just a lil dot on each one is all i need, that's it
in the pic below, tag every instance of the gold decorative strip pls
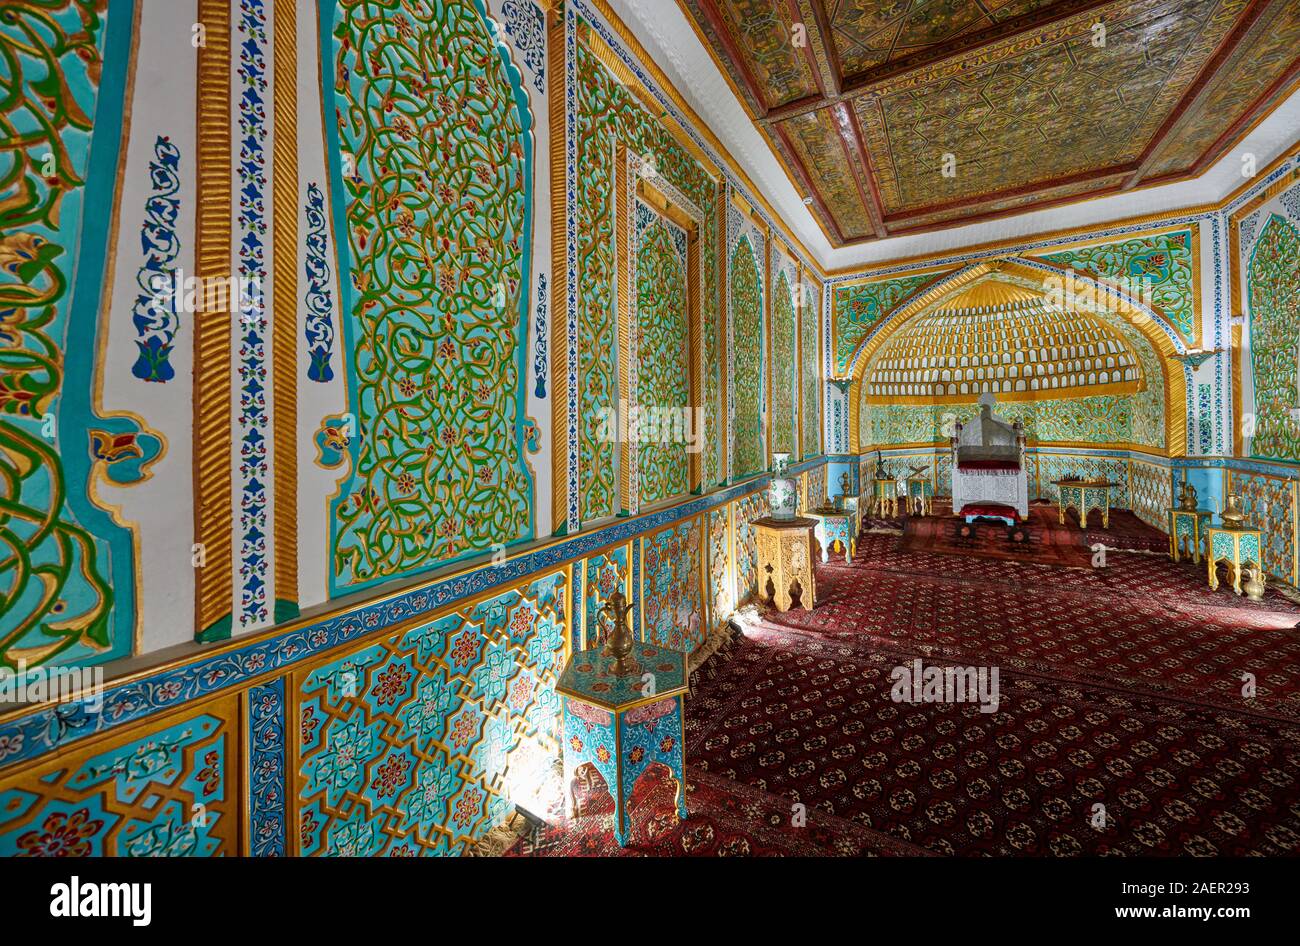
(284, 305)
(559, 366)
(694, 354)
(766, 356)
(652, 68)
(723, 350)
(622, 216)
(213, 510)
(799, 316)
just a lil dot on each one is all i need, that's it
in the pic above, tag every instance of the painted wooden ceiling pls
(1035, 103)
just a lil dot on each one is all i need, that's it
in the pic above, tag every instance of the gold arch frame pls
(1138, 317)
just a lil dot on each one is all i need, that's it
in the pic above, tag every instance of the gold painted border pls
(559, 328)
(623, 281)
(213, 508)
(702, 127)
(284, 304)
(1175, 382)
(93, 491)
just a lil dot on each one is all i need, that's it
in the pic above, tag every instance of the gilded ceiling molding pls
(213, 500)
(647, 62)
(1159, 336)
(284, 306)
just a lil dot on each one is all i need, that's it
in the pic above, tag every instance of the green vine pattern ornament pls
(55, 594)
(747, 333)
(436, 177)
(663, 369)
(1273, 281)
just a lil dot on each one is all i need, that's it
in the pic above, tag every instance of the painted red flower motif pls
(576, 743)
(462, 730)
(522, 623)
(467, 648)
(602, 754)
(391, 776)
(210, 774)
(390, 684)
(666, 745)
(62, 835)
(636, 755)
(467, 807)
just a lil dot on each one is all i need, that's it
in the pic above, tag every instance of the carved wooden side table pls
(785, 555)
(835, 526)
(1085, 496)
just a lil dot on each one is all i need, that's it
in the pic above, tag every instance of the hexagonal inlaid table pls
(624, 723)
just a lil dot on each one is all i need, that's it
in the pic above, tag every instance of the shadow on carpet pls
(1045, 541)
(727, 819)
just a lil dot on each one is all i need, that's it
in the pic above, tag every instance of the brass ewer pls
(846, 483)
(1187, 497)
(618, 642)
(1233, 516)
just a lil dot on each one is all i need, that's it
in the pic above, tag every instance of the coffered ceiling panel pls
(894, 117)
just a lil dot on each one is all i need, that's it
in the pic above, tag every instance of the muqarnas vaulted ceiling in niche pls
(1035, 102)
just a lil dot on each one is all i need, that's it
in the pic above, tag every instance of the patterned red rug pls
(1132, 687)
(727, 819)
(811, 718)
(1044, 540)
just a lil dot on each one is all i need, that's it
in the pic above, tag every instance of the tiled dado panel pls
(1055, 466)
(1150, 492)
(170, 788)
(416, 743)
(744, 511)
(601, 576)
(672, 595)
(1270, 504)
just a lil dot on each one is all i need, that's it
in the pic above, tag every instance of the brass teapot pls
(1233, 516)
(1187, 497)
(618, 642)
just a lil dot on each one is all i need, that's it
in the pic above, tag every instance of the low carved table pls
(1187, 532)
(835, 526)
(1085, 496)
(920, 493)
(624, 723)
(1237, 547)
(785, 551)
(884, 496)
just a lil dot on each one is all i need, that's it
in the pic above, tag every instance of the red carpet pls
(1119, 686)
(727, 820)
(1046, 541)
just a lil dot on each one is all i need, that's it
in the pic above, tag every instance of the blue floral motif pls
(526, 25)
(251, 231)
(266, 770)
(317, 325)
(154, 314)
(539, 351)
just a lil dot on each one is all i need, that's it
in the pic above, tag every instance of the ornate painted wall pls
(745, 297)
(69, 573)
(663, 360)
(608, 115)
(784, 334)
(1273, 295)
(436, 193)
(331, 386)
